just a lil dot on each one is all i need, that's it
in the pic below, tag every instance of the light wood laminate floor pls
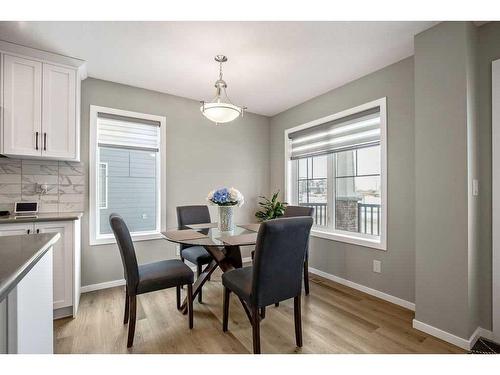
(335, 319)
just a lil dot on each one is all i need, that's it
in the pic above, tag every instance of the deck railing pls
(368, 216)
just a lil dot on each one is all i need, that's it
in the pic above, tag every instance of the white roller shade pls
(119, 131)
(355, 131)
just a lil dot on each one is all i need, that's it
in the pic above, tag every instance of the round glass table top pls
(210, 235)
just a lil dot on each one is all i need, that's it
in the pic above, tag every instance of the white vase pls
(226, 222)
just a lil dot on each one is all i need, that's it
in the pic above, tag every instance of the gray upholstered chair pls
(295, 211)
(149, 277)
(276, 274)
(187, 215)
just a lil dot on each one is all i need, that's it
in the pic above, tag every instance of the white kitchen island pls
(26, 300)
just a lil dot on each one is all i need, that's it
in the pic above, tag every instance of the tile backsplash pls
(65, 184)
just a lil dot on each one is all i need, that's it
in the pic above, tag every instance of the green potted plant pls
(270, 208)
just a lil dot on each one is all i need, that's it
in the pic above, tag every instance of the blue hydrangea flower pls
(221, 196)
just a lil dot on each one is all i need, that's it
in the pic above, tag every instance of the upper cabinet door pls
(59, 135)
(22, 100)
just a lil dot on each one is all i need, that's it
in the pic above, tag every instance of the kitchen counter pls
(19, 254)
(50, 216)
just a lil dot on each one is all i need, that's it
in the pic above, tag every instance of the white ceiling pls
(272, 65)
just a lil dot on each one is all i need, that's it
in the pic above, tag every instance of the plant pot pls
(226, 221)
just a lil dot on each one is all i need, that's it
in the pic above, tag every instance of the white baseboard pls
(466, 344)
(373, 292)
(105, 285)
(114, 283)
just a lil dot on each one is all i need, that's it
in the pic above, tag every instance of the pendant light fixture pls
(220, 109)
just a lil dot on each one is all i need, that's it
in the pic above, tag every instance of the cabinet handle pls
(38, 230)
(44, 141)
(28, 231)
(36, 141)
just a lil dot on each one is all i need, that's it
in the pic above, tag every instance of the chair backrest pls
(294, 211)
(127, 251)
(192, 215)
(279, 259)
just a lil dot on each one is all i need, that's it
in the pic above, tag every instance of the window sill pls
(135, 238)
(366, 242)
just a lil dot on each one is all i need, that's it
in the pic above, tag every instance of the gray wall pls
(444, 117)
(350, 261)
(200, 156)
(489, 50)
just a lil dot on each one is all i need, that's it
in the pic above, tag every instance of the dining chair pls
(276, 274)
(198, 255)
(295, 211)
(145, 278)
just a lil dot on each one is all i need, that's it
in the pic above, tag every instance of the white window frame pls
(161, 214)
(330, 233)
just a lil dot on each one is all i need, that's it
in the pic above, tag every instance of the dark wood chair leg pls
(198, 275)
(256, 330)
(277, 304)
(131, 323)
(125, 315)
(225, 312)
(298, 321)
(190, 304)
(262, 312)
(306, 277)
(178, 296)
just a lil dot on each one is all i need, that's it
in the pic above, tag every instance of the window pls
(337, 166)
(125, 164)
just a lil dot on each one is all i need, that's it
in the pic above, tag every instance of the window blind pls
(350, 132)
(127, 132)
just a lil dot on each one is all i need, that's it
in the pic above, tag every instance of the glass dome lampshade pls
(220, 110)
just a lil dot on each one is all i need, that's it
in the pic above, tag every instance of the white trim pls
(120, 282)
(105, 285)
(335, 235)
(160, 169)
(339, 236)
(110, 239)
(440, 334)
(495, 225)
(373, 292)
(465, 344)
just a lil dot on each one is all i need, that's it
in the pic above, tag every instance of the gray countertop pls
(52, 216)
(18, 255)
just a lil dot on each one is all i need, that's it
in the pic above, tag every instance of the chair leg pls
(131, 323)
(256, 330)
(198, 275)
(190, 304)
(277, 304)
(306, 276)
(262, 312)
(225, 313)
(125, 315)
(298, 321)
(178, 295)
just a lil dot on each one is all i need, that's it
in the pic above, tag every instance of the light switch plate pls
(377, 266)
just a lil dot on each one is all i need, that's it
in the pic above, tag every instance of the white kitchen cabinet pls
(59, 136)
(63, 261)
(66, 261)
(40, 100)
(22, 106)
(16, 229)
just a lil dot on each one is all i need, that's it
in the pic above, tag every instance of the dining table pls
(224, 247)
